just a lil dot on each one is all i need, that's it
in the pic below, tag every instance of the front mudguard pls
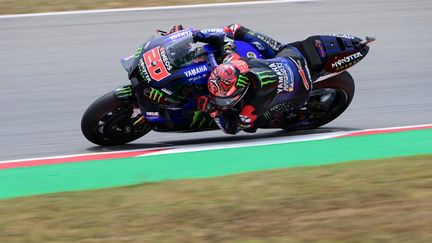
(124, 93)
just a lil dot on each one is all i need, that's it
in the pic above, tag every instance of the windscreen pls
(183, 51)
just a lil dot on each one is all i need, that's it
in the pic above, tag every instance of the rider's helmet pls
(226, 90)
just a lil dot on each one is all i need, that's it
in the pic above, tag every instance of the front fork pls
(125, 93)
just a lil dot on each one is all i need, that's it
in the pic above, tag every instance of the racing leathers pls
(279, 82)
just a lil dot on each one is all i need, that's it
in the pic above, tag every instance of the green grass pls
(35, 6)
(367, 201)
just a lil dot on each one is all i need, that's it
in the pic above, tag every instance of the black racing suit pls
(279, 82)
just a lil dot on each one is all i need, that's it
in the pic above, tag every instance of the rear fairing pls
(328, 55)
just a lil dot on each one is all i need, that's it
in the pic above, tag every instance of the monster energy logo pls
(242, 81)
(156, 95)
(138, 52)
(123, 92)
(266, 77)
(196, 117)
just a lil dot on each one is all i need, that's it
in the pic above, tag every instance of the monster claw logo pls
(198, 115)
(138, 52)
(266, 77)
(242, 81)
(123, 92)
(156, 95)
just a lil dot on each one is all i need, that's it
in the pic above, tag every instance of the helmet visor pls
(230, 101)
(225, 102)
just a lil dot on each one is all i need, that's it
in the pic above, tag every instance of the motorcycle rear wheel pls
(328, 100)
(109, 122)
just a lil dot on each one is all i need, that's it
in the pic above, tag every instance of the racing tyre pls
(109, 121)
(328, 100)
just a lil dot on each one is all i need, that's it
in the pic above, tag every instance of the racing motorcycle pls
(168, 74)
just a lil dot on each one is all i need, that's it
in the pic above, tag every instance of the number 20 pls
(155, 65)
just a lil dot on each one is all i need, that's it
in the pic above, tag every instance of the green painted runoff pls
(119, 172)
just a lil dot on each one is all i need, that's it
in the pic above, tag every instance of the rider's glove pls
(199, 37)
(205, 105)
(245, 122)
(176, 28)
(229, 48)
(247, 117)
(214, 39)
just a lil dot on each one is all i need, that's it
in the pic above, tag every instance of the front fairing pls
(131, 63)
(173, 67)
(159, 62)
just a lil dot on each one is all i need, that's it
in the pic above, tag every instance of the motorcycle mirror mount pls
(367, 40)
(161, 32)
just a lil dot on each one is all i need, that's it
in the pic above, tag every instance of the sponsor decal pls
(266, 77)
(167, 91)
(138, 52)
(198, 116)
(157, 63)
(270, 42)
(302, 72)
(251, 54)
(346, 60)
(258, 45)
(180, 34)
(156, 95)
(343, 36)
(308, 74)
(165, 59)
(195, 71)
(212, 59)
(242, 81)
(123, 92)
(285, 77)
(153, 114)
(213, 30)
(320, 48)
(143, 71)
(195, 78)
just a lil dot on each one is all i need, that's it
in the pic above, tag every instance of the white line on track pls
(192, 6)
(283, 140)
(262, 142)
(393, 128)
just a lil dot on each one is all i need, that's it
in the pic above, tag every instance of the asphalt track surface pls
(53, 67)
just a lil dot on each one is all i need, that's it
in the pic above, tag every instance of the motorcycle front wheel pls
(109, 121)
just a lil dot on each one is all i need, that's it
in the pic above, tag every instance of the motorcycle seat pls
(310, 52)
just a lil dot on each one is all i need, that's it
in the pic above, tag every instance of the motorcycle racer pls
(169, 75)
(244, 89)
